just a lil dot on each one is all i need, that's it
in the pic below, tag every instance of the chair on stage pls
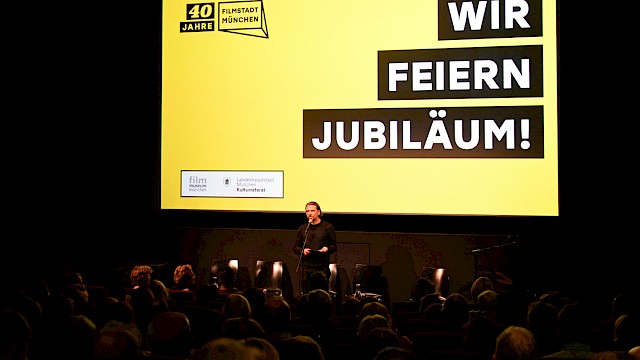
(338, 282)
(274, 278)
(439, 277)
(369, 278)
(371, 282)
(217, 265)
(205, 322)
(241, 280)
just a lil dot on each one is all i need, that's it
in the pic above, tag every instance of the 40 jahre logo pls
(240, 17)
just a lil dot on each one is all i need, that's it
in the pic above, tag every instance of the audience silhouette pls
(226, 282)
(480, 337)
(224, 348)
(257, 301)
(574, 332)
(479, 285)
(262, 348)
(394, 353)
(375, 340)
(421, 287)
(626, 332)
(117, 341)
(236, 305)
(169, 334)
(16, 335)
(73, 339)
(320, 319)
(277, 319)
(184, 278)
(455, 312)
(516, 343)
(542, 321)
(318, 280)
(67, 321)
(143, 296)
(242, 328)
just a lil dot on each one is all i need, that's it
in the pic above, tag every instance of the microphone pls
(308, 224)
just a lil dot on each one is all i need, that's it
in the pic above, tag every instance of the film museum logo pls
(240, 17)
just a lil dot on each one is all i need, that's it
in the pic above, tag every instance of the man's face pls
(312, 212)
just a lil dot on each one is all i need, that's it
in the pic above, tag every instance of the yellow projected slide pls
(413, 107)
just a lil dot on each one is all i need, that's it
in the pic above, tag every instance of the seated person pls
(184, 278)
(227, 282)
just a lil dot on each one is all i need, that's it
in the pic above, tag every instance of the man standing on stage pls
(315, 241)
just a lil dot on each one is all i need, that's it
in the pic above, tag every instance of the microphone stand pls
(299, 268)
(477, 252)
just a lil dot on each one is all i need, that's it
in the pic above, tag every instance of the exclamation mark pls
(524, 130)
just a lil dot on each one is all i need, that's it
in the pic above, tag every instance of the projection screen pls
(414, 107)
